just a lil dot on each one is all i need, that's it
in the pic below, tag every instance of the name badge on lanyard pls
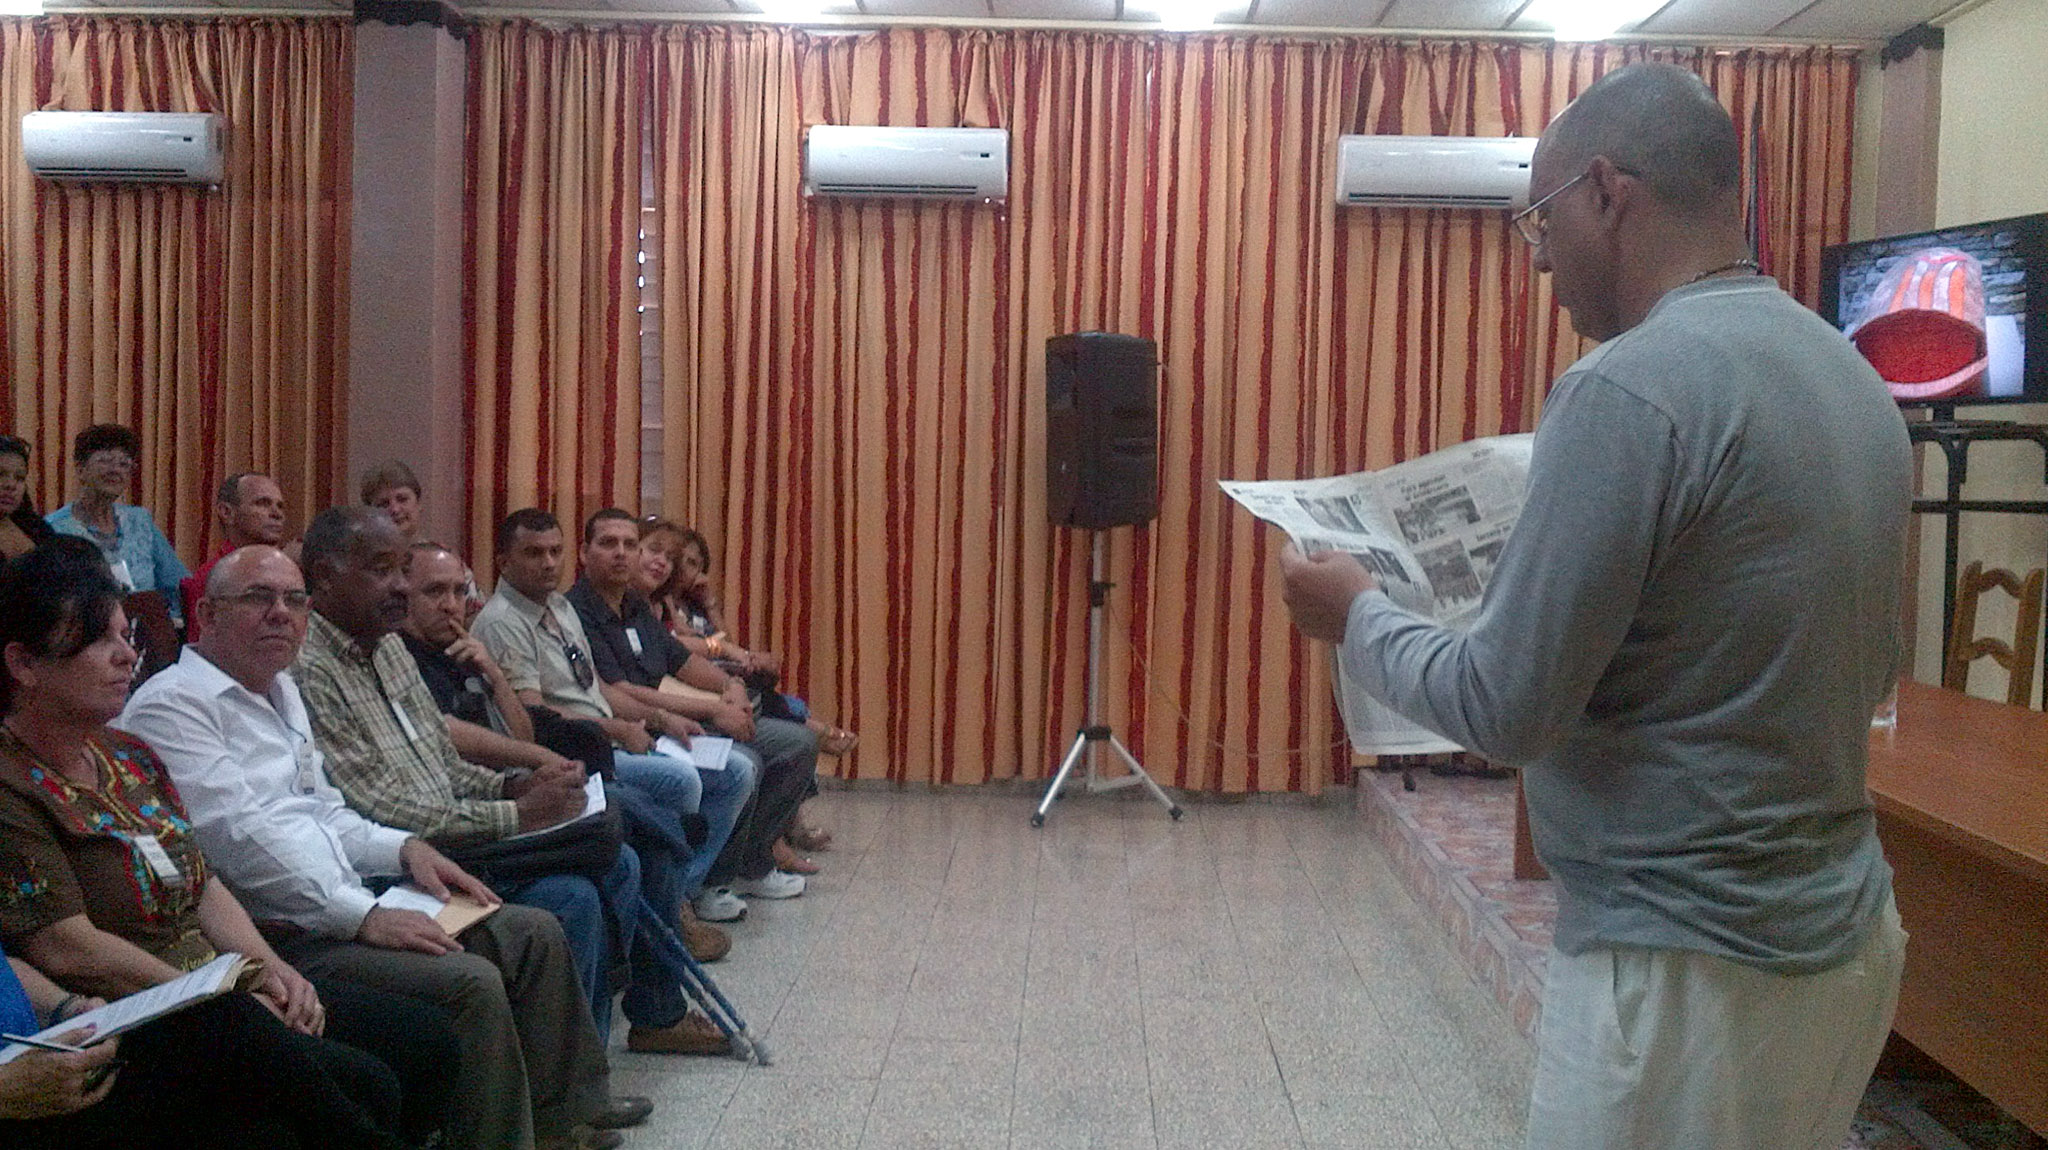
(633, 639)
(405, 721)
(159, 861)
(306, 758)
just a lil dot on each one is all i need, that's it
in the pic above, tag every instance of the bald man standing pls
(1681, 646)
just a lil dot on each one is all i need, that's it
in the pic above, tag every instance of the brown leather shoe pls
(695, 1034)
(809, 839)
(707, 943)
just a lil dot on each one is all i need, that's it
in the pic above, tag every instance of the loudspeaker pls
(1101, 430)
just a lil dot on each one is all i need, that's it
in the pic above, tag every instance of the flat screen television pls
(1950, 318)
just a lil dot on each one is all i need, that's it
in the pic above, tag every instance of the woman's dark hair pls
(691, 537)
(59, 598)
(25, 516)
(102, 437)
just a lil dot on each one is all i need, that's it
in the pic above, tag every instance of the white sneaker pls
(719, 904)
(774, 884)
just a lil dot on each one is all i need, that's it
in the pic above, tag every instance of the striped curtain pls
(551, 330)
(854, 391)
(213, 321)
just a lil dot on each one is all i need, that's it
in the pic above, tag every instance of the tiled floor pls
(1254, 976)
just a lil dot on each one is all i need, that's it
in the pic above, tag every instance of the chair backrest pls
(2017, 657)
(154, 635)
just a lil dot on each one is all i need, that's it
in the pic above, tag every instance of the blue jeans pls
(603, 925)
(717, 795)
(598, 925)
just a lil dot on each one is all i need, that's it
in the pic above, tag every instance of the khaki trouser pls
(530, 1058)
(1675, 1050)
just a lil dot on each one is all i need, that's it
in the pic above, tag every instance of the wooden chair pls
(2017, 658)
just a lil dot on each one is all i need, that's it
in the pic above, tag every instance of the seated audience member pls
(108, 891)
(250, 510)
(671, 558)
(633, 653)
(141, 559)
(20, 527)
(393, 488)
(389, 753)
(485, 716)
(698, 601)
(537, 637)
(213, 1075)
(228, 721)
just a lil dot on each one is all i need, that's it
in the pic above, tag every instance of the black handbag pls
(588, 846)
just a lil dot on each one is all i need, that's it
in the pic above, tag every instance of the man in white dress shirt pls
(229, 723)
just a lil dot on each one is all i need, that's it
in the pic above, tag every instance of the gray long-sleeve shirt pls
(1687, 633)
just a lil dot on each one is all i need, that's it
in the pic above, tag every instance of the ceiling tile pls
(1318, 13)
(1462, 15)
(1862, 19)
(1719, 17)
(693, 7)
(954, 9)
(1055, 9)
(1847, 20)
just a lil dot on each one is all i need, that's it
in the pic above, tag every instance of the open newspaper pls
(1430, 530)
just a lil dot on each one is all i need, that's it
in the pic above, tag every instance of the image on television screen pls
(1943, 315)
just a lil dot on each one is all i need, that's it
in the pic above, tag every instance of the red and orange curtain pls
(214, 321)
(852, 392)
(551, 326)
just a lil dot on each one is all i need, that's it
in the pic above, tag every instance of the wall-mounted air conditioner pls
(1433, 171)
(916, 163)
(132, 147)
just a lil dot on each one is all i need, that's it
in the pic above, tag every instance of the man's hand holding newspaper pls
(1319, 589)
(1428, 532)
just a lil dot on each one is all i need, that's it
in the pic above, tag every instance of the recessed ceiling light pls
(1589, 19)
(21, 7)
(1183, 15)
(792, 11)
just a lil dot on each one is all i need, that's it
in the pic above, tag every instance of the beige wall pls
(1993, 163)
(405, 361)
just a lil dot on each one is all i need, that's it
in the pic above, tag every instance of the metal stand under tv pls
(1955, 437)
(1095, 734)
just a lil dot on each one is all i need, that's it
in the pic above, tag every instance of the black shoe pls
(622, 1111)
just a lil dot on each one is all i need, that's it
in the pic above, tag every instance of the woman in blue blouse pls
(105, 456)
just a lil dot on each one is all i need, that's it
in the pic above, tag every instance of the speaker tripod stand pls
(1094, 733)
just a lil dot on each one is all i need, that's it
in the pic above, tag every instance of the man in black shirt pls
(633, 652)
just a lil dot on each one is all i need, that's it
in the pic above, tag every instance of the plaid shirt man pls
(385, 745)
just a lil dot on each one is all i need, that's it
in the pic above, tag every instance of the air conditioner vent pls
(1490, 172)
(970, 164)
(133, 147)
